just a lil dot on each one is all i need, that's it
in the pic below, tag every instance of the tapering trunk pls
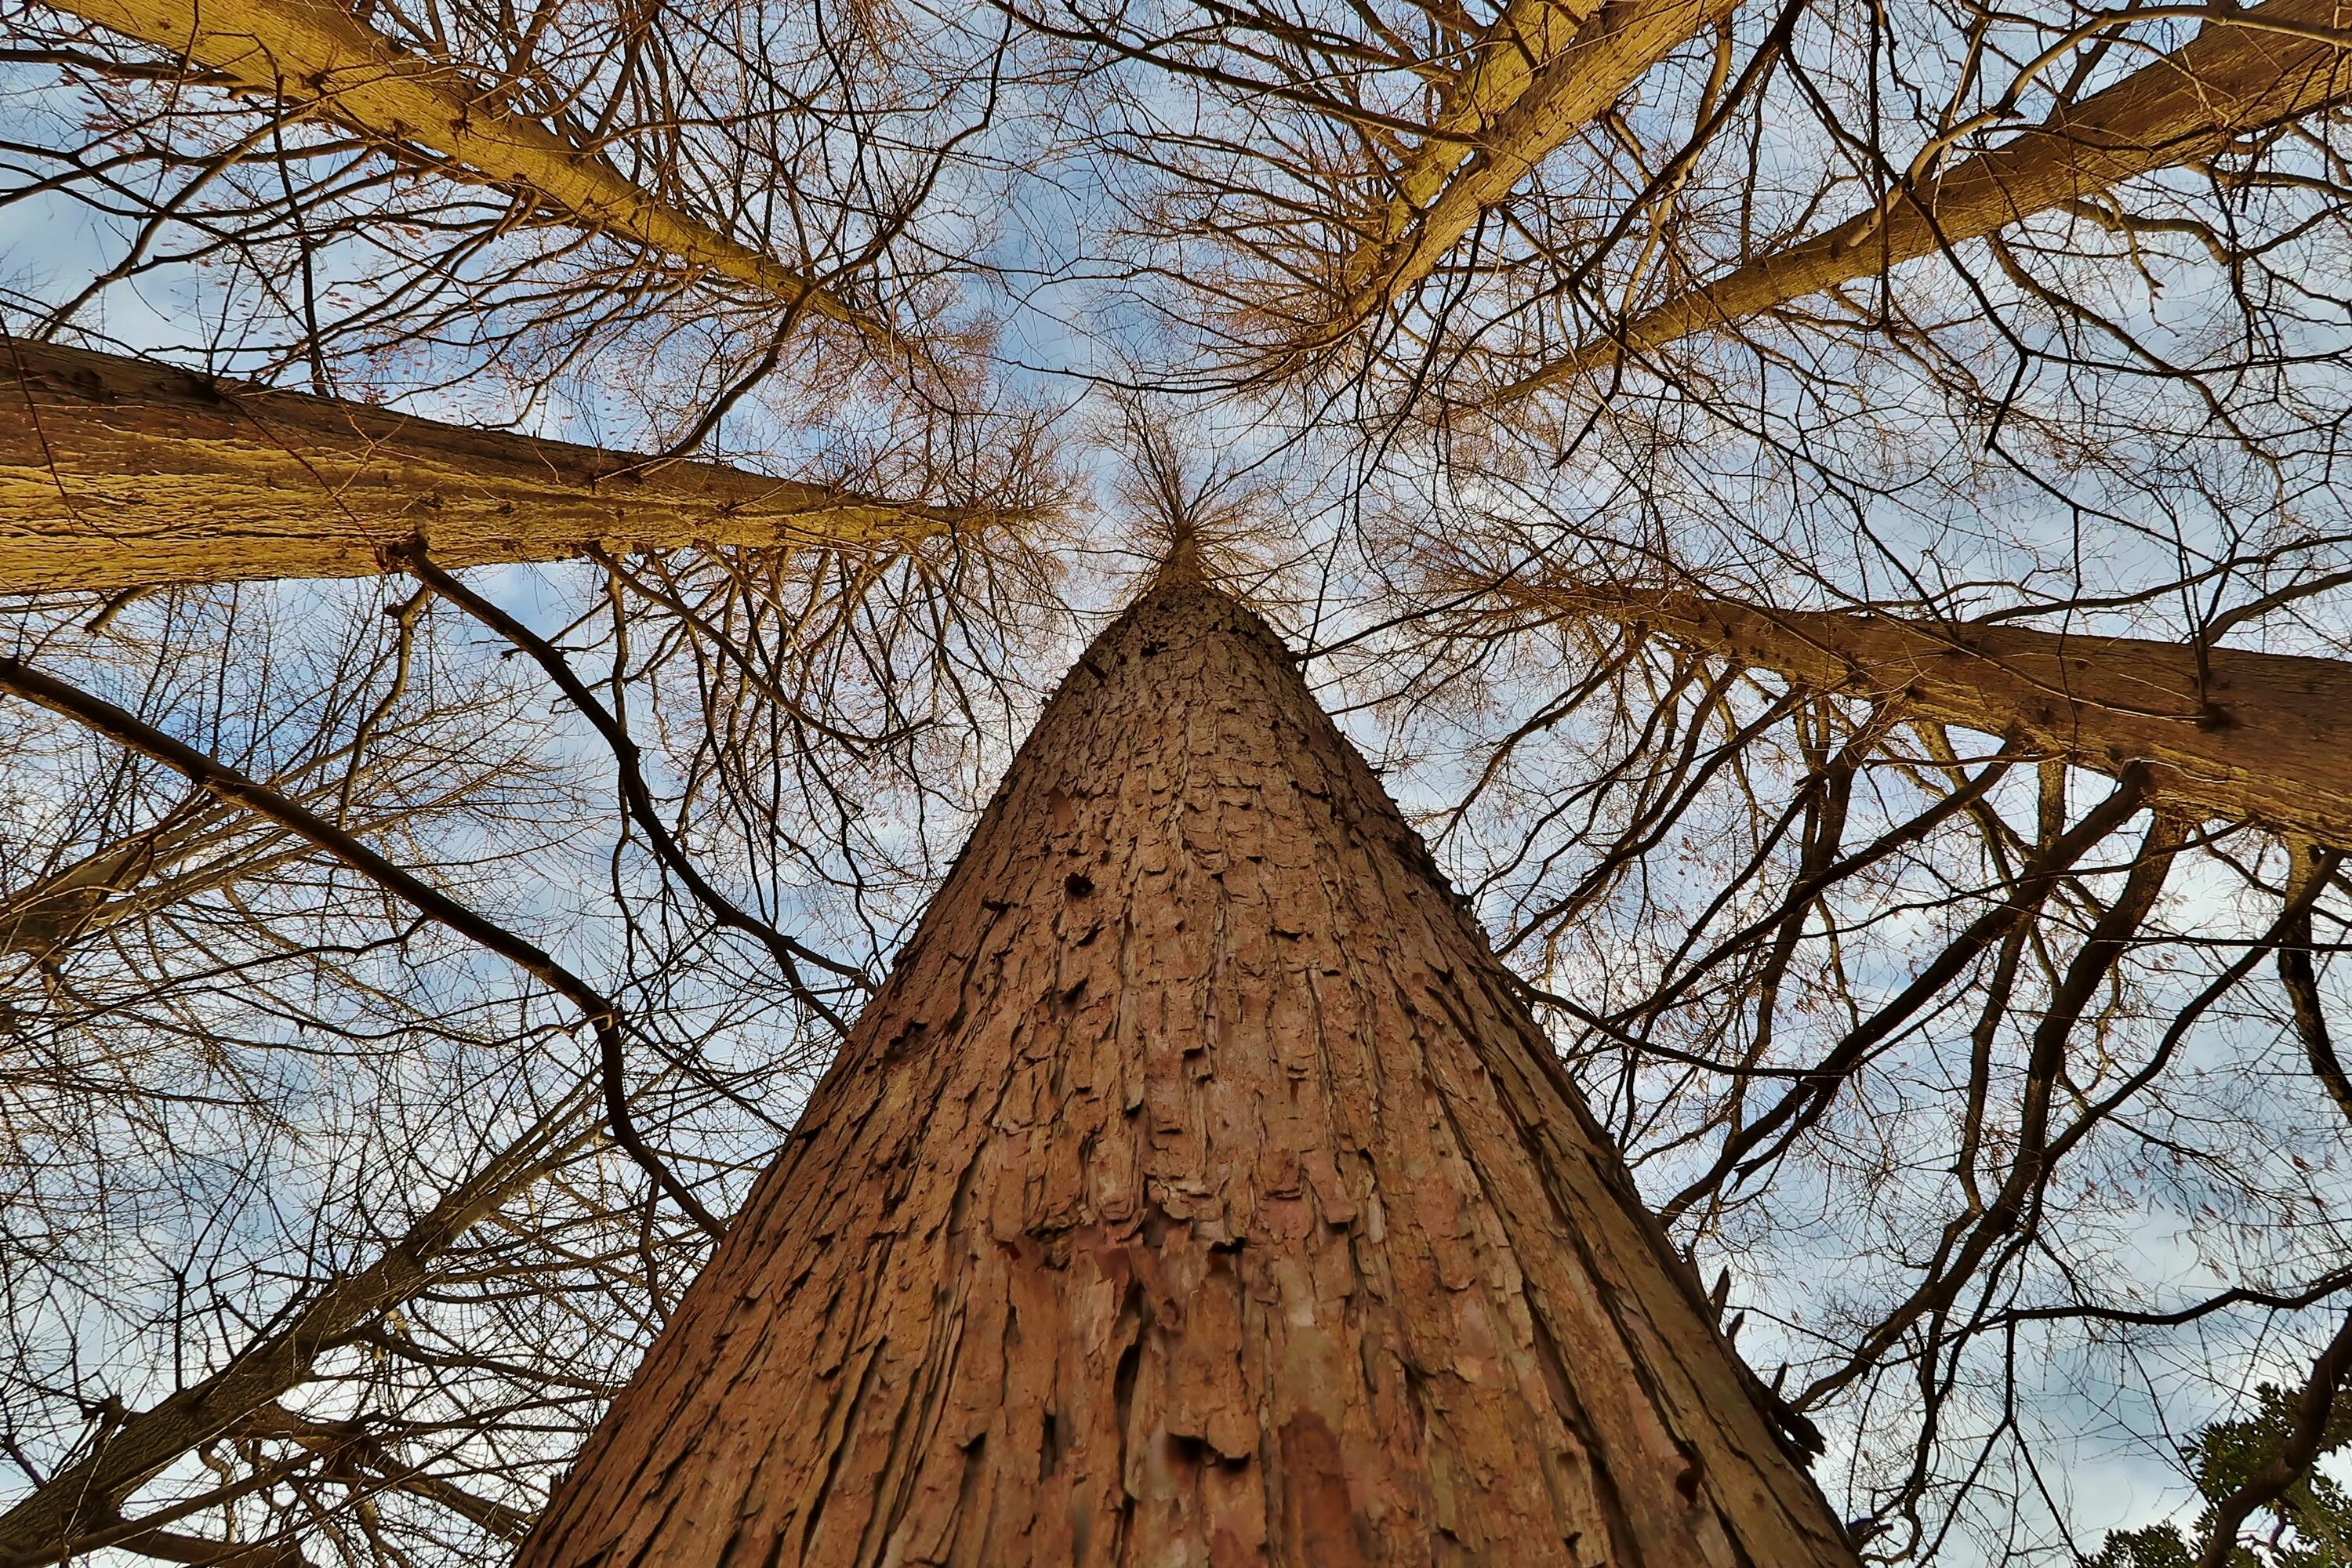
(2263, 738)
(315, 55)
(1197, 1191)
(2269, 64)
(118, 473)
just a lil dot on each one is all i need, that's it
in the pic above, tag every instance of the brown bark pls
(88, 1496)
(2263, 738)
(1196, 1192)
(1544, 72)
(117, 474)
(2270, 64)
(314, 53)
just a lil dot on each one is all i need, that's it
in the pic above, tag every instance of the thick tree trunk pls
(2263, 738)
(1197, 1191)
(2271, 63)
(315, 54)
(117, 473)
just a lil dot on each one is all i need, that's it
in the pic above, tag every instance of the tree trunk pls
(117, 474)
(1197, 1191)
(316, 54)
(2263, 738)
(2272, 63)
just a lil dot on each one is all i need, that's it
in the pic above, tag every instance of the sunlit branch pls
(2227, 733)
(315, 55)
(1544, 72)
(118, 474)
(2245, 72)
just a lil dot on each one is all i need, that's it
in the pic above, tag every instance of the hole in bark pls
(1122, 1388)
(1049, 1444)
(1079, 885)
(1687, 1484)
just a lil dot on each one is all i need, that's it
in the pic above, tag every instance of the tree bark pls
(1196, 1192)
(314, 53)
(2263, 738)
(2270, 64)
(117, 474)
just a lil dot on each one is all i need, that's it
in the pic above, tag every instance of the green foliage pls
(2309, 1525)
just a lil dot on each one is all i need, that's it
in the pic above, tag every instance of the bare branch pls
(226, 783)
(87, 1495)
(1544, 72)
(2246, 71)
(2252, 736)
(314, 53)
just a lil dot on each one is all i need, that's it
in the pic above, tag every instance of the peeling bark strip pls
(2262, 737)
(2253, 70)
(116, 473)
(313, 53)
(1196, 1192)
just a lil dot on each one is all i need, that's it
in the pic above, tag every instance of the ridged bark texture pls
(116, 473)
(1196, 1192)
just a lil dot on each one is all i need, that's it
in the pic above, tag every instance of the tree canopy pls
(528, 533)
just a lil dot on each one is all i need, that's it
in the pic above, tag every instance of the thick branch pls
(117, 474)
(2250, 737)
(1544, 72)
(2256, 69)
(2294, 1462)
(89, 1494)
(313, 53)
